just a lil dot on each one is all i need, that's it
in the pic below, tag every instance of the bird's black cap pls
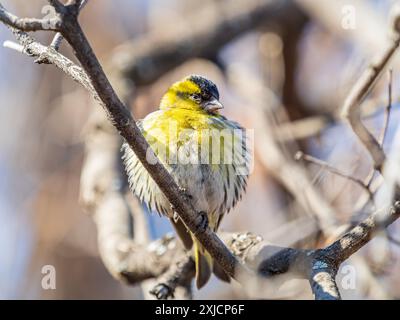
(205, 85)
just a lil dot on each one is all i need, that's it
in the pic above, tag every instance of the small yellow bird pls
(205, 153)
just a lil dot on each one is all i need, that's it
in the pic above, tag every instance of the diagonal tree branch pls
(126, 126)
(123, 121)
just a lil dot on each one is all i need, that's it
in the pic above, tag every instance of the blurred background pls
(294, 61)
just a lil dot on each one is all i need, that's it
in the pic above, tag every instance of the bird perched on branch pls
(205, 153)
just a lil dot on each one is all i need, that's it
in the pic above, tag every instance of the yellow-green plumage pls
(181, 133)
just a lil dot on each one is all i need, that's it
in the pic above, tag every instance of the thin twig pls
(13, 45)
(302, 156)
(382, 136)
(388, 108)
(58, 38)
(29, 24)
(363, 86)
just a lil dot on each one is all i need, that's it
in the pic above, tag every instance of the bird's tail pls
(203, 263)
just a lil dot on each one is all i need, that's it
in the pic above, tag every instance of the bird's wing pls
(140, 181)
(234, 170)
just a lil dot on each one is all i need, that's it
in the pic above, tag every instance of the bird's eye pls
(196, 97)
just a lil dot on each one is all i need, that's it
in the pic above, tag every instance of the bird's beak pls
(213, 106)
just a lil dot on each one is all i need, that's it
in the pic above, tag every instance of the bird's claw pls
(162, 292)
(186, 195)
(184, 192)
(201, 222)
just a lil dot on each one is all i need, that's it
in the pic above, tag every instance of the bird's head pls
(195, 93)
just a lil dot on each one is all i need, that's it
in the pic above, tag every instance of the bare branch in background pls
(180, 272)
(351, 107)
(104, 199)
(318, 266)
(388, 108)
(301, 156)
(302, 129)
(277, 159)
(381, 140)
(145, 60)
